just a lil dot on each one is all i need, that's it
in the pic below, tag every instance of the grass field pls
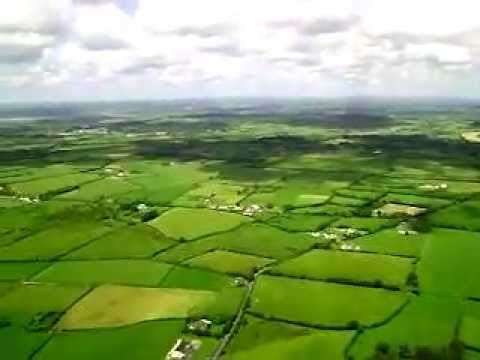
(364, 223)
(145, 341)
(20, 271)
(390, 242)
(52, 184)
(462, 216)
(201, 222)
(212, 193)
(54, 241)
(345, 266)
(325, 304)
(265, 339)
(136, 241)
(229, 262)
(102, 189)
(449, 264)
(264, 241)
(18, 343)
(114, 306)
(127, 272)
(470, 325)
(414, 200)
(183, 277)
(301, 222)
(425, 321)
(18, 307)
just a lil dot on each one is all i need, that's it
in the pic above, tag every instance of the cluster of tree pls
(453, 351)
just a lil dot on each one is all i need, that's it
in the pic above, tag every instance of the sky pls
(97, 50)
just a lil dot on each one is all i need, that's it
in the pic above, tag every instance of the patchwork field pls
(240, 230)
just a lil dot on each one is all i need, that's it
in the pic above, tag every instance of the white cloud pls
(314, 44)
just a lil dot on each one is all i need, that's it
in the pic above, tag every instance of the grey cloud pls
(318, 26)
(144, 65)
(103, 42)
(204, 31)
(13, 54)
(91, 2)
(230, 49)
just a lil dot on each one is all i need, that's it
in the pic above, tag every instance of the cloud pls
(204, 31)
(318, 26)
(288, 44)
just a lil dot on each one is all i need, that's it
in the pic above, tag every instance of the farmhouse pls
(405, 228)
(252, 210)
(183, 349)
(392, 209)
(432, 187)
(202, 325)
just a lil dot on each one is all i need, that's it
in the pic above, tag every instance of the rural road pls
(238, 318)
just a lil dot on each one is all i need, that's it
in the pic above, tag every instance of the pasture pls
(201, 222)
(323, 304)
(342, 266)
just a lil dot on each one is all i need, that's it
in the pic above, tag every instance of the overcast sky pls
(153, 49)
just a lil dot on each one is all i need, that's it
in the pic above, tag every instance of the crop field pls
(281, 231)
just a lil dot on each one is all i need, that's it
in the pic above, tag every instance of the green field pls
(128, 272)
(344, 266)
(54, 241)
(449, 264)
(116, 306)
(20, 271)
(425, 321)
(201, 222)
(189, 278)
(301, 222)
(268, 339)
(245, 225)
(143, 341)
(390, 242)
(23, 302)
(52, 184)
(136, 241)
(229, 262)
(462, 216)
(470, 325)
(325, 304)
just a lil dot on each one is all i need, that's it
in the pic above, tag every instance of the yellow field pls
(115, 305)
